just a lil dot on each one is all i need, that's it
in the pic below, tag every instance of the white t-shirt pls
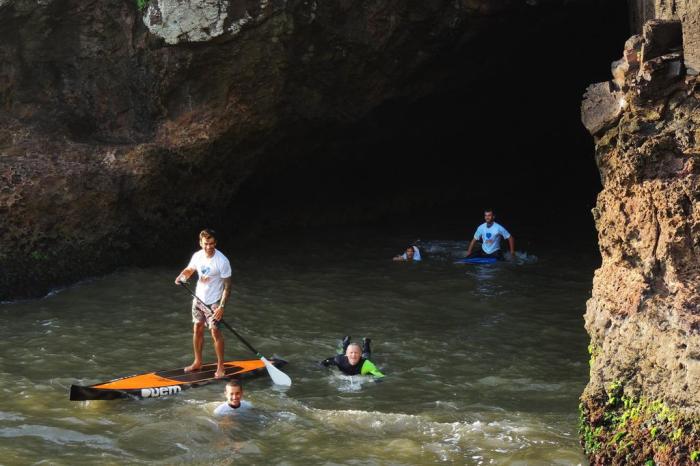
(490, 236)
(212, 271)
(224, 409)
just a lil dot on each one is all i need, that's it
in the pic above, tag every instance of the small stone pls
(601, 107)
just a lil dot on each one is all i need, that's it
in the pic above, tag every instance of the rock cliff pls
(642, 404)
(127, 125)
(124, 130)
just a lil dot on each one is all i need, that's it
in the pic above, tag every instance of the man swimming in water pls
(412, 254)
(490, 234)
(355, 359)
(234, 400)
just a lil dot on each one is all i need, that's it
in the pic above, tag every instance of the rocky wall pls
(642, 403)
(125, 129)
(122, 130)
(685, 11)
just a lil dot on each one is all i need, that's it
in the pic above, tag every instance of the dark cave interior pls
(504, 131)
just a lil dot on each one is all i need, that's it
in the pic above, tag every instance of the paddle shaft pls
(243, 340)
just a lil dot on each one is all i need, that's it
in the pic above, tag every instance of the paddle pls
(278, 377)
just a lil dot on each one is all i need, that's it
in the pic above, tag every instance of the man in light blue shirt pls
(490, 234)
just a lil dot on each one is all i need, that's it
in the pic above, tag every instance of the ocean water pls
(484, 363)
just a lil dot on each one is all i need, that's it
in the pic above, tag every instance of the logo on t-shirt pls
(488, 235)
(204, 274)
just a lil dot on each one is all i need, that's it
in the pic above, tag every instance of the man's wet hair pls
(355, 344)
(207, 233)
(235, 383)
(490, 210)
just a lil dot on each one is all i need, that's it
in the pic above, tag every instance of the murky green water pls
(484, 364)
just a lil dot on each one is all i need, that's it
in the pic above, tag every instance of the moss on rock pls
(619, 429)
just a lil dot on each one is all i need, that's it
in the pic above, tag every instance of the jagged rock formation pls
(643, 399)
(684, 11)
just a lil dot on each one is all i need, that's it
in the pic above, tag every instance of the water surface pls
(484, 363)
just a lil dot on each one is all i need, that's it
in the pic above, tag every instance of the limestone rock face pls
(119, 126)
(186, 21)
(688, 12)
(644, 314)
(203, 20)
(685, 11)
(601, 108)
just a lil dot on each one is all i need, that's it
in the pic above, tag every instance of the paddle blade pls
(278, 377)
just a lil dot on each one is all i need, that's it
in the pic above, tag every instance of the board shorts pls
(200, 314)
(497, 254)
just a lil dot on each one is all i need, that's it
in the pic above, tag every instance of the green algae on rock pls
(622, 429)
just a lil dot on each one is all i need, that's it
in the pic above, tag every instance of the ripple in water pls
(484, 364)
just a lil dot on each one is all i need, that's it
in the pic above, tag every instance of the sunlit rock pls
(644, 313)
(601, 107)
(177, 21)
(189, 21)
(661, 37)
(625, 69)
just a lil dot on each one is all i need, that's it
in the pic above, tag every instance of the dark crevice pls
(503, 129)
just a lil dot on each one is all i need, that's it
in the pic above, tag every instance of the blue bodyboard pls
(477, 260)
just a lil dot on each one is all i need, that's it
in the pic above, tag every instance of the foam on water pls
(483, 365)
(448, 441)
(450, 250)
(58, 436)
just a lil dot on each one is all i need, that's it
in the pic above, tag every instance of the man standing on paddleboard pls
(213, 288)
(490, 234)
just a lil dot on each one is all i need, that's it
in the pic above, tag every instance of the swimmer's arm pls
(329, 362)
(471, 246)
(185, 275)
(369, 368)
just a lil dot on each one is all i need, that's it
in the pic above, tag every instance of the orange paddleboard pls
(169, 382)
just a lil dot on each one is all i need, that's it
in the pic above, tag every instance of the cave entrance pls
(502, 130)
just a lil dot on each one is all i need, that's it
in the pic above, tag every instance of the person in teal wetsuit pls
(355, 359)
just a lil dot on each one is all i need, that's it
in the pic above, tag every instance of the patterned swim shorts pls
(200, 314)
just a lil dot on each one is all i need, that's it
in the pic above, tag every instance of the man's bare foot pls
(220, 372)
(195, 366)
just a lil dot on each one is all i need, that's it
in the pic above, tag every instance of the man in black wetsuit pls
(355, 360)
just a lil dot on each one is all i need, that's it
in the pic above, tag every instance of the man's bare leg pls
(219, 348)
(197, 345)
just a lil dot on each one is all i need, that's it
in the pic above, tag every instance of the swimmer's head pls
(234, 393)
(410, 252)
(354, 353)
(489, 216)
